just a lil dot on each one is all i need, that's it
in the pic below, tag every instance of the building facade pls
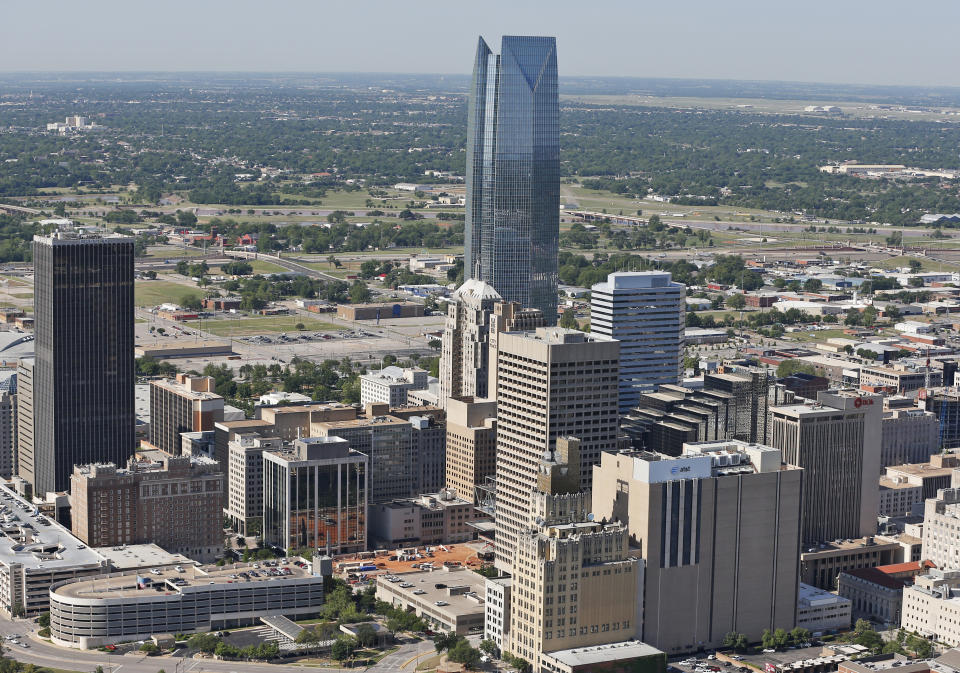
(464, 359)
(645, 312)
(8, 434)
(718, 530)
(185, 404)
(194, 599)
(578, 585)
(432, 518)
(512, 224)
(390, 385)
(176, 503)
(552, 383)
(909, 436)
(837, 443)
(931, 607)
(244, 506)
(316, 496)
(83, 374)
(471, 445)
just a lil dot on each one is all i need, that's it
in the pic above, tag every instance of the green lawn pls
(280, 323)
(154, 292)
(819, 336)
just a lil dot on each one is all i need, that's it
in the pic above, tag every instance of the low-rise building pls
(449, 600)
(898, 497)
(184, 599)
(380, 311)
(629, 655)
(931, 607)
(819, 610)
(36, 552)
(877, 593)
(820, 565)
(391, 384)
(497, 620)
(432, 518)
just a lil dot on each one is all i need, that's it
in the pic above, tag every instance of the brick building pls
(175, 503)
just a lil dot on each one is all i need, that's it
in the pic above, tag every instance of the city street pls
(42, 653)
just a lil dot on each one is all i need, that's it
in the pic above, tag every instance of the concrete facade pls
(837, 442)
(645, 312)
(719, 532)
(552, 383)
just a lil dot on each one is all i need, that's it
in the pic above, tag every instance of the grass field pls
(244, 326)
(154, 292)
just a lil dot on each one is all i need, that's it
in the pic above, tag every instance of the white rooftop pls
(598, 654)
(129, 557)
(477, 290)
(37, 542)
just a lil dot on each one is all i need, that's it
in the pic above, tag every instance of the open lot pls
(246, 326)
(154, 292)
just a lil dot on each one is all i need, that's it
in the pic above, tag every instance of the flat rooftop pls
(921, 470)
(132, 556)
(191, 576)
(598, 654)
(462, 591)
(36, 541)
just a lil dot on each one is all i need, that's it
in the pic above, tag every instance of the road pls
(43, 653)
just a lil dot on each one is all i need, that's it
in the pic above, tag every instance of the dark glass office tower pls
(83, 373)
(513, 172)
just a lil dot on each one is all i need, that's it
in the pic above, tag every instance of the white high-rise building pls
(644, 311)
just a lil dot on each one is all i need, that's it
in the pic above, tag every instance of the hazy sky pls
(856, 41)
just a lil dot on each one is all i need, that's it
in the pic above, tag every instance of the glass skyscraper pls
(513, 172)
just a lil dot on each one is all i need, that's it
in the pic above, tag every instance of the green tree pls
(736, 301)
(342, 648)
(359, 293)
(813, 285)
(307, 636)
(864, 634)
(735, 641)
(444, 641)
(488, 647)
(799, 635)
(205, 642)
(149, 648)
(794, 366)
(463, 653)
(44, 619)
(366, 635)
(569, 319)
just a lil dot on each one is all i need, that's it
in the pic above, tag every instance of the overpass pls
(286, 263)
(15, 210)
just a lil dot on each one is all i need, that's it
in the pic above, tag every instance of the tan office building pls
(576, 583)
(175, 503)
(552, 383)
(471, 445)
(718, 529)
(837, 441)
(244, 506)
(186, 404)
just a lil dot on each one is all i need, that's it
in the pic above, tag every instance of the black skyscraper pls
(83, 373)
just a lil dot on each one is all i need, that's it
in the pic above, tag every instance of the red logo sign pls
(862, 401)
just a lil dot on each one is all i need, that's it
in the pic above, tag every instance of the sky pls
(845, 41)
